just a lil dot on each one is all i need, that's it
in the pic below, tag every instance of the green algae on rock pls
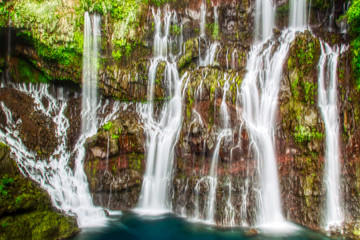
(26, 211)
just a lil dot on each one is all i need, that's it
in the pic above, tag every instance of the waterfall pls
(90, 72)
(298, 11)
(210, 55)
(163, 127)
(210, 52)
(230, 212)
(344, 26)
(68, 188)
(264, 19)
(224, 132)
(259, 93)
(332, 17)
(216, 16)
(327, 91)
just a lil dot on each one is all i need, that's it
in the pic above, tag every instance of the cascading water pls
(229, 219)
(209, 56)
(212, 178)
(344, 26)
(264, 19)
(259, 93)
(90, 72)
(298, 12)
(327, 91)
(68, 188)
(332, 17)
(162, 129)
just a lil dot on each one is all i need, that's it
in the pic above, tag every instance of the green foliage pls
(283, 10)
(26, 72)
(135, 161)
(353, 16)
(124, 48)
(175, 30)
(4, 182)
(321, 4)
(3, 14)
(216, 31)
(54, 30)
(115, 136)
(310, 90)
(304, 134)
(158, 3)
(4, 224)
(305, 56)
(107, 126)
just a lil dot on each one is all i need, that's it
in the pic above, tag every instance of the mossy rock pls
(24, 71)
(25, 209)
(37, 225)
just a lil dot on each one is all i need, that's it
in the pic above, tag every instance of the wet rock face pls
(128, 80)
(36, 129)
(114, 163)
(25, 209)
(299, 136)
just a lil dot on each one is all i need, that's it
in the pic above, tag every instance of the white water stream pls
(90, 72)
(328, 104)
(162, 126)
(264, 19)
(259, 94)
(67, 187)
(224, 132)
(298, 12)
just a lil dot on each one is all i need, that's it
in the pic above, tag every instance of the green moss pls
(53, 29)
(159, 3)
(3, 146)
(308, 188)
(191, 50)
(25, 209)
(37, 225)
(115, 136)
(353, 16)
(321, 4)
(26, 72)
(305, 134)
(108, 126)
(135, 160)
(4, 182)
(282, 11)
(309, 91)
(4, 13)
(175, 30)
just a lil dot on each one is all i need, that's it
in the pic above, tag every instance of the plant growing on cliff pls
(304, 134)
(4, 182)
(354, 21)
(107, 126)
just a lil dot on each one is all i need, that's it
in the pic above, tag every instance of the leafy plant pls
(353, 16)
(4, 182)
(304, 134)
(108, 126)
